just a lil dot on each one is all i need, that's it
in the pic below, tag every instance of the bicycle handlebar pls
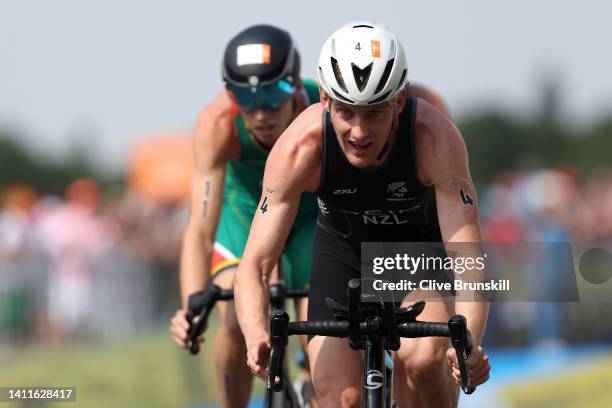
(281, 328)
(200, 304)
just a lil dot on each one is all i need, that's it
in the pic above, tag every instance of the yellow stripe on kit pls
(224, 265)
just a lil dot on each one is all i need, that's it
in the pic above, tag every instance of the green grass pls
(147, 371)
(150, 371)
(587, 387)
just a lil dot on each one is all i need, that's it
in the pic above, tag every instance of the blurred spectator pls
(73, 237)
(16, 201)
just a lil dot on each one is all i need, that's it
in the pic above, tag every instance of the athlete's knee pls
(231, 329)
(350, 397)
(333, 390)
(228, 324)
(330, 396)
(424, 362)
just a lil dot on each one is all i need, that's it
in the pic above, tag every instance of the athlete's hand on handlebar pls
(179, 328)
(478, 366)
(258, 356)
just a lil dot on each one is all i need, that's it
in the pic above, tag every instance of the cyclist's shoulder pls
(297, 152)
(426, 93)
(307, 127)
(438, 143)
(220, 112)
(216, 127)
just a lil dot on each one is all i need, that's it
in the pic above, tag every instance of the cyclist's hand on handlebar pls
(179, 328)
(258, 354)
(478, 366)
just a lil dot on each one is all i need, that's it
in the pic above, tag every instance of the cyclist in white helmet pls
(367, 138)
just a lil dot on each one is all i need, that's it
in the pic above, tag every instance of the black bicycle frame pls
(374, 376)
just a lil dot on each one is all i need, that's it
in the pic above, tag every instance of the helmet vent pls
(338, 74)
(322, 78)
(363, 26)
(361, 76)
(392, 50)
(401, 81)
(380, 98)
(340, 97)
(385, 76)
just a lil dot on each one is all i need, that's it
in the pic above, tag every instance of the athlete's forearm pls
(459, 224)
(251, 299)
(475, 312)
(467, 246)
(198, 240)
(476, 315)
(196, 255)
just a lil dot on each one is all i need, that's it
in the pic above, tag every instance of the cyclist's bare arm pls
(293, 167)
(214, 143)
(443, 162)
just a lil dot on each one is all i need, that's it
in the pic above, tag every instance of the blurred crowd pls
(548, 206)
(103, 266)
(85, 265)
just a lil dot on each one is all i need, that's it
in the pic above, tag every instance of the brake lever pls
(279, 337)
(194, 332)
(199, 304)
(462, 342)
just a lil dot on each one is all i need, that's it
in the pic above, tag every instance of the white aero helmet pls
(362, 64)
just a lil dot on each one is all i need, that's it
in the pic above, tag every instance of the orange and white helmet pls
(362, 64)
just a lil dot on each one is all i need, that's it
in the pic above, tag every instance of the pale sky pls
(120, 70)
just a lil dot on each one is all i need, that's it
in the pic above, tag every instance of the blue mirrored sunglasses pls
(266, 97)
